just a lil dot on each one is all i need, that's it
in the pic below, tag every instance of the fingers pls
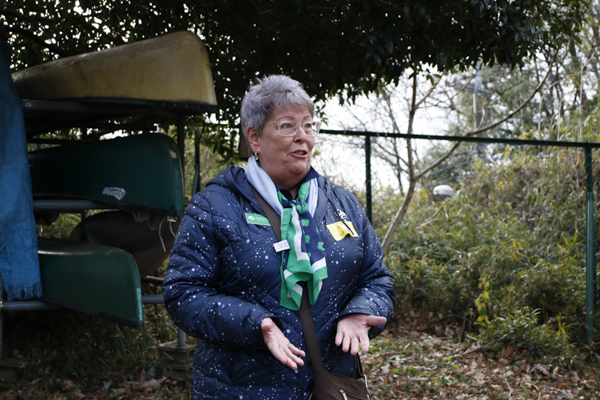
(373, 320)
(297, 352)
(292, 353)
(355, 343)
(281, 348)
(353, 332)
(346, 343)
(288, 355)
(365, 344)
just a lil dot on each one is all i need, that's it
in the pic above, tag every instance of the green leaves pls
(521, 329)
(510, 243)
(331, 47)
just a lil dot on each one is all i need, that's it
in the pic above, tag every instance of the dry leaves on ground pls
(407, 362)
(412, 364)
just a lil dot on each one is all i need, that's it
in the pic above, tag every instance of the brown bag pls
(327, 385)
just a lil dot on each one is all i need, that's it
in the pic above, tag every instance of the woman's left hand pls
(353, 331)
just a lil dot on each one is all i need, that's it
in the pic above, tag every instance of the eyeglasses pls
(290, 128)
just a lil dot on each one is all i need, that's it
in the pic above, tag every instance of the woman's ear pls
(253, 139)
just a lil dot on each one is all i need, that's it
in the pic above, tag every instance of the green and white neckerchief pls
(305, 259)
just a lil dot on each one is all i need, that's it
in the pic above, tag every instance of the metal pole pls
(1, 333)
(590, 271)
(469, 139)
(196, 185)
(180, 338)
(368, 177)
(1, 317)
(181, 140)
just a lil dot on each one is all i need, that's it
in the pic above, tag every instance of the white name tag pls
(281, 246)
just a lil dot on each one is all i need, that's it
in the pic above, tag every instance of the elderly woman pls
(233, 285)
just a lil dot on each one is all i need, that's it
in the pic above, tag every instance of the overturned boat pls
(124, 178)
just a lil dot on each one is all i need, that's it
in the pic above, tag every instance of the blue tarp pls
(19, 263)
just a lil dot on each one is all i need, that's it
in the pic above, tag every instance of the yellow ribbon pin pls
(341, 229)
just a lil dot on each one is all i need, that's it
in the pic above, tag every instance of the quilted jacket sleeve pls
(191, 285)
(375, 293)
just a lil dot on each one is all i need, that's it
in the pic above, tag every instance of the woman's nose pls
(300, 135)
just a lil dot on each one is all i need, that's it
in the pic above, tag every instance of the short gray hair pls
(270, 93)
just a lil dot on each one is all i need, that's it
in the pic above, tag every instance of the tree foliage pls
(333, 47)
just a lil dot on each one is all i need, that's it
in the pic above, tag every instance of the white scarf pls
(265, 186)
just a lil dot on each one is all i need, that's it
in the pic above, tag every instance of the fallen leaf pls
(68, 385)
(541, 370)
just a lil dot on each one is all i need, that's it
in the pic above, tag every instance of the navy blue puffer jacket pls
(224, 279)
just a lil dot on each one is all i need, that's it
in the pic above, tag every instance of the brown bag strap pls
(310, 334)
(272, 215)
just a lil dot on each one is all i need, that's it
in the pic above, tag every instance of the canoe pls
(99, 280)
(135, 173)
(172, 70)
(149, 241)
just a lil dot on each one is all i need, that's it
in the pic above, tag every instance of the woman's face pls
(286, 159)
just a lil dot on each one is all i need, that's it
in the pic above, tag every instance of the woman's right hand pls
(280, 346)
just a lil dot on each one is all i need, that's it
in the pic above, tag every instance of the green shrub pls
(511, 241)
(521, 329)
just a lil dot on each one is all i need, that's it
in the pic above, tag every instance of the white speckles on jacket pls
(224, 279)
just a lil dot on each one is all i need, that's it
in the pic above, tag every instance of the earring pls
(256, 157)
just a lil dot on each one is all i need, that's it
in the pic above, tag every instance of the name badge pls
(257, 219)
(281, 246)
(341, 229)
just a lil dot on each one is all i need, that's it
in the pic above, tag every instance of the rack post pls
(369, 208)
(590, 271)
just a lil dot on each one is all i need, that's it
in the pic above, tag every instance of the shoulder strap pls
(272, 215)
(310, 335)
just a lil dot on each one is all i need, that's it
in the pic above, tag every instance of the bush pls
(511, 241)
(521, 329)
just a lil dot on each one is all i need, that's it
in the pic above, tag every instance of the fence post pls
(368, 177)
(590, 273)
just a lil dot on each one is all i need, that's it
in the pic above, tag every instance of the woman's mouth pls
(300, 153)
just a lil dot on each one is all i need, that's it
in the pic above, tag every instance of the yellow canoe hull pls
(172, 68)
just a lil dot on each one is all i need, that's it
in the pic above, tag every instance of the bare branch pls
(428, 94)
(411, 171)
(438, 161)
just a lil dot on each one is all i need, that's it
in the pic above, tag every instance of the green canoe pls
(100, 280)
(135, 173)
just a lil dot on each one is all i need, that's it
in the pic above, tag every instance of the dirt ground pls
(415, 358)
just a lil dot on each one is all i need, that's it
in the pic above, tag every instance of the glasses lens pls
(314, 128)
(288, 128)
(311, 128)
